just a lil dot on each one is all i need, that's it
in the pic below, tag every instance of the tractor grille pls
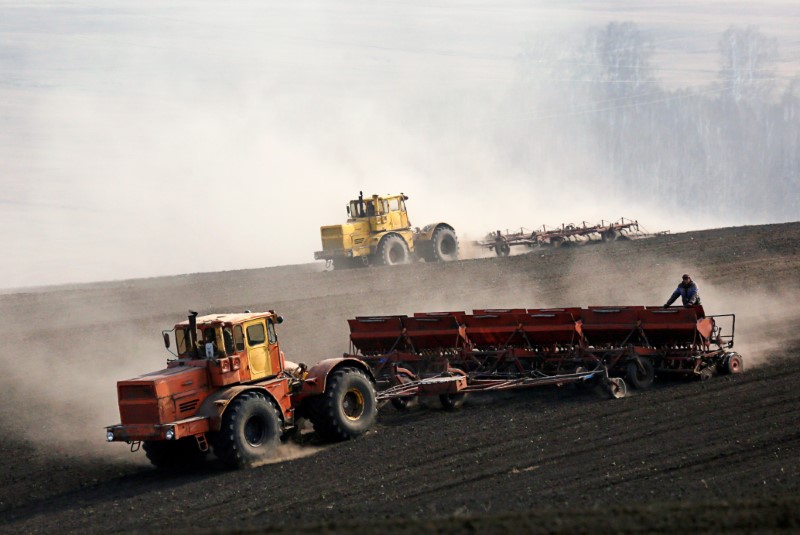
(332, 232)
(187, 406)
(139, 413)
(332, 238)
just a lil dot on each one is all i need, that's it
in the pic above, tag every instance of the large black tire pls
(250, 431)
(348, 407)
(174, 455)
(641, 379)
(502, 249)
(732, 363)
(444, 244)
(452, 402)
(393, 250)
(609, 235)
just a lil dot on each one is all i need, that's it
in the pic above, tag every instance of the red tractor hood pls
(163, 396)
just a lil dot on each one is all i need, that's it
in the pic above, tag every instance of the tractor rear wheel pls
(445, 244)
(348, 407)
(393, 250)
(250, 431)
(641, 378)
(176, 455)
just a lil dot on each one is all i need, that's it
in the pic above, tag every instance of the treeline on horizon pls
(727, 147)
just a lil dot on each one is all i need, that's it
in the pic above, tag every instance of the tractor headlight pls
(110, 436)
(170, 434)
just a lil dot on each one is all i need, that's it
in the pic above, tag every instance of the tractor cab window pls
(357, 209)
(370, 208)
(395, 204)
(273, 337)
(209, 337)
(255, 334)
(182, 341)
(238, 338)
(227, 336)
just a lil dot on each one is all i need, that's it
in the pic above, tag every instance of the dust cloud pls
(289, 452)
(149, 139)
(760, 314)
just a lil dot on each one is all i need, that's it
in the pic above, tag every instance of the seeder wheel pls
(616, 387)
(452, 402)
(405, 403)
(731, 363)
(641, 377)
(735, 364)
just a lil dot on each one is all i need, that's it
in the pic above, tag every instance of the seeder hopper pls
(450, 354)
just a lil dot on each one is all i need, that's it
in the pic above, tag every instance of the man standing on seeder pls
(688, 292)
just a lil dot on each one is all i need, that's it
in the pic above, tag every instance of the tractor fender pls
(213, 407)
(426, 232)
(376, 238)
(317, 378)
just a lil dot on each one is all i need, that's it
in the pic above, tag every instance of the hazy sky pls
(150, 138)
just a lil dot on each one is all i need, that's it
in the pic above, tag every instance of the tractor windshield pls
(358, 209)
(182, 341)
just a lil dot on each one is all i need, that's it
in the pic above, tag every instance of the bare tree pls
(748, 57)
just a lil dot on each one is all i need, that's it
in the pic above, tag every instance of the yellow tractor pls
(378, 232)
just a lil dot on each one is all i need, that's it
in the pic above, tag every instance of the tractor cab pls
(383, 212)
(242, 347)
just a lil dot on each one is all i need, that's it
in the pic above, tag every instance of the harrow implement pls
(566, 234)
(450, 354)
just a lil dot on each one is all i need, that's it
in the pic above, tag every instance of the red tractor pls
(230, 389)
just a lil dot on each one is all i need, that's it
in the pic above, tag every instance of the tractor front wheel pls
(393, 250)
(250, 431)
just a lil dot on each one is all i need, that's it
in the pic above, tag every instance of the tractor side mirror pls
(279, 319)
(166, 340)
(348, 209)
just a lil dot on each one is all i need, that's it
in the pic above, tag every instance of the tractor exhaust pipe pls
(193, 331)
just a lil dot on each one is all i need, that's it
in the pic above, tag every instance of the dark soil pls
(720, 455)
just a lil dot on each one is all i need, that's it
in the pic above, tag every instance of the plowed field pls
(716, 455)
